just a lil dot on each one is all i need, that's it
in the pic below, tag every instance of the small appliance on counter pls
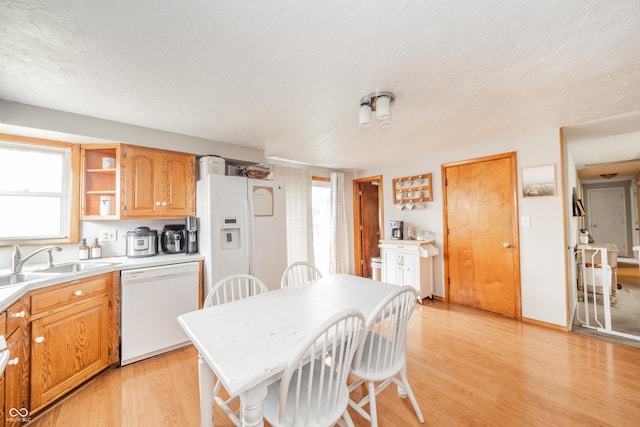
(396, 229)
(142, 242)
(411, 232)
(191, 235)
(173, 239)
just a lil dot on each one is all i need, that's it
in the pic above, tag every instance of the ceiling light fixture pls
(608, 175)
(381, 103)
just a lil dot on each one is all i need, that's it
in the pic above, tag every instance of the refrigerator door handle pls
(248, 243)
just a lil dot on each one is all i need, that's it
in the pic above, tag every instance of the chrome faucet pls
(17, 261)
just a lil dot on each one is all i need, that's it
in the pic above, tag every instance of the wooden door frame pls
(357, 246)
(514, 223)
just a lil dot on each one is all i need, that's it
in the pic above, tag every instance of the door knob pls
(506, 245)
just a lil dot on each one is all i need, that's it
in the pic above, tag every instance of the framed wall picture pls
(539, 181)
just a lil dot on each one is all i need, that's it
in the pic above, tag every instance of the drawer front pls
(15, 317)
(47, 299)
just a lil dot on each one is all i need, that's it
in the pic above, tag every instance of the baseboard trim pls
(545, 324)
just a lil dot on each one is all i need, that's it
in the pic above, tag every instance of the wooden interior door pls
(482, 265)
(367, 195)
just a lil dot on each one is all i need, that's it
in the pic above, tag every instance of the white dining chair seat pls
(369, 358)
(271, 402)
(381, 357)
(313, 389)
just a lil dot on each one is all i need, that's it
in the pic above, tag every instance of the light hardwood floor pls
(466, 367)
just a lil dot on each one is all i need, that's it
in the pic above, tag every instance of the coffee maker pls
(396, 229)
(192, 235)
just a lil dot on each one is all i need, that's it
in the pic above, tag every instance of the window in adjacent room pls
(38, 192)
(321, 204)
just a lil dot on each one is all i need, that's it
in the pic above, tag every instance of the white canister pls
(107, 205)
(108, 163)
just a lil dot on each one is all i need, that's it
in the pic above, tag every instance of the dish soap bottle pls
(96, 250)
(83, 251)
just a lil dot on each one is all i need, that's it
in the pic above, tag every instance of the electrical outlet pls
(108, 235)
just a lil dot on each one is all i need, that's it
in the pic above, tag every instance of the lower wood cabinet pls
(70, 336)
(59, 337)
(16, 374)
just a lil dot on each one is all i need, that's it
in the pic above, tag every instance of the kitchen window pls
(38, 191)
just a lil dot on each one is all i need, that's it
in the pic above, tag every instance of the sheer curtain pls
(299, 212)
(339, 247)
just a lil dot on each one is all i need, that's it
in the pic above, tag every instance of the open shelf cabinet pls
(98, 181)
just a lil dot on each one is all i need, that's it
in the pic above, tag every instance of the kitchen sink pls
(18, 278)
(73, 267)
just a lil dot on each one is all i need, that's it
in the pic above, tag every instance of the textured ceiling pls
(286, 76)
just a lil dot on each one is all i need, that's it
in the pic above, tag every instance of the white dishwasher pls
(152, 298)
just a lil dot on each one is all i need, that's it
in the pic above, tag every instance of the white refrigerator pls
(242, 228)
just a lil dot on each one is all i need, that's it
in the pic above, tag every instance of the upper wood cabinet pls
(100, 181)
(158, 183)
(143, 183)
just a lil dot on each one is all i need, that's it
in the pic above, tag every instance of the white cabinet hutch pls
(409, 262)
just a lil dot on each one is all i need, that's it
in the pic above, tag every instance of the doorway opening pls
(368, 221)
(607, 180)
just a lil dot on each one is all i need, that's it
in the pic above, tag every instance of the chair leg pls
(373, 413)
(358, 406)
(412, 398)
(347, 419)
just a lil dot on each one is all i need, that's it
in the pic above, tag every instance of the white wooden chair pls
(229, 289)
(299, 273)
(234, 287)
(382, 356)
(313, 389)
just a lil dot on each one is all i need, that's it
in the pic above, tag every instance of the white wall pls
(542, 254)
(27, 120)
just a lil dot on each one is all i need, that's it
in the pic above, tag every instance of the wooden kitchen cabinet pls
(100, 183)
(3, 332)
(409, 262)
(70, 336)
(16, 374)
(143, 183)
(157, 183)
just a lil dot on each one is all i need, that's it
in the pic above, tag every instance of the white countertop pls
(10, 294)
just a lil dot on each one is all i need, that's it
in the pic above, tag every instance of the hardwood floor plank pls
(466, 368)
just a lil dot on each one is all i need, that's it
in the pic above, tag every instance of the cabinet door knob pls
(506, 245)
(39, 340)
(157, 203)
(13, 361)
(164, 203)
(78, 293)
(19, 314)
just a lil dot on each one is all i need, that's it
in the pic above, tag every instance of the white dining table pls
(247, 343)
